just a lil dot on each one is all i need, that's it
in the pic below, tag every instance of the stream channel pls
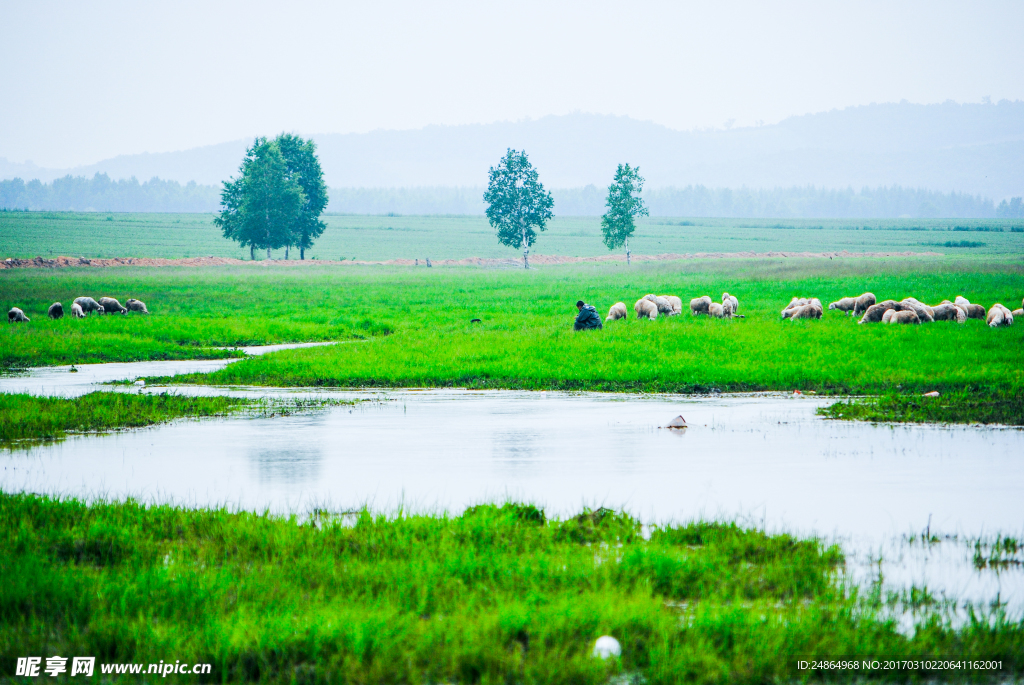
(765, 460)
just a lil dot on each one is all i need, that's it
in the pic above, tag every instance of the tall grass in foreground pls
(498, 594)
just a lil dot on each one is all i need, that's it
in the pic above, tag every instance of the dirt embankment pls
(62, 262)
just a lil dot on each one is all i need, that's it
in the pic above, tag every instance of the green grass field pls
(376, 238)
(417, 322)
(496, 595)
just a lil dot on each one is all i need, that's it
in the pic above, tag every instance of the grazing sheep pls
(140, 306)
(961, 300)
(617, 311)
(676, 304)
(887, 317)
(974, 311)
(716, 310)
(89, 305)
(645, 309)
(111, 305)
(949, 312)
(905, 316)
(700, 305)
(76, 311)
(874, 313)
(55, 311)
(15, 315)
(726, 297)
(793, 305)
(998, 315)
(807, 311)
(663, 305)
(923, 311)
(1018, 313)
(727, 310)
(844, 305)
(863, 302)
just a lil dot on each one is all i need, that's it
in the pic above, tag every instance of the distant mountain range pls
(968, 148)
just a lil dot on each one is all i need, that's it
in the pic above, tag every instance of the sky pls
(83, 81)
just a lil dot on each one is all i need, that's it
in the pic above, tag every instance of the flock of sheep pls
(650, 306)
(83, 306)
(909, 310)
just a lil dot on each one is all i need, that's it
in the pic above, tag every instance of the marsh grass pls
(25, 418)
(418, 322)
(962, 406)
(500, 594)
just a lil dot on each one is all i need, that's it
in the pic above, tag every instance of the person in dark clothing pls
(587, 319)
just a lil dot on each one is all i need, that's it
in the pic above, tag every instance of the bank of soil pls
(62, 262)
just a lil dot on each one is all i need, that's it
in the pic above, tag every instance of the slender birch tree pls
(624, 204)
(517, 204)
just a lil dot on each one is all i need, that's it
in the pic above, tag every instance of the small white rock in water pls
(607, 646)
(140, 382)
(677, 422)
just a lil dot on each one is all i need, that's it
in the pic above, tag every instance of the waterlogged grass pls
(955, 407)
(419, 325)
(498, 594)
(26, 417)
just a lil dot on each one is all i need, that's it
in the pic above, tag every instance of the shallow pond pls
(767, 459)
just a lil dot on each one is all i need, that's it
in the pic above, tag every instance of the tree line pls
(101, 194)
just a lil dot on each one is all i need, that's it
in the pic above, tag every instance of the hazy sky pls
(82, 81)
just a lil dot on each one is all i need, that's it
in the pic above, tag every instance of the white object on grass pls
(607, 646)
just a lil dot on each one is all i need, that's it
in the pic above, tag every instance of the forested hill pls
(102, 194)
(976, 149)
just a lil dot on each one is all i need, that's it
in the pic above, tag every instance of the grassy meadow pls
(416, 324)
(496, 595)
(377, 238)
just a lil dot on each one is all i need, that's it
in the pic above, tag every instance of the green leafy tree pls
(517, 204)
(267, 207)
(300, 157)
(624, 204)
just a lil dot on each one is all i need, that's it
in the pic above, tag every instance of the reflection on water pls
(765, 459)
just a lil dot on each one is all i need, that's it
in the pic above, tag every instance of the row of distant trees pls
(102, 194)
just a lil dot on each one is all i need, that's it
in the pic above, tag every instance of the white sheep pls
(949, 312)
(140, 306)
(16, 315)
(726, 297)
(845, 305)
(676, 304)
(807, 311)
(89, 305)
(998, 315)
(111, 305)
(76, 311)
(923, 311)
(645, 309)
(904, 316)
(617, 310)
(663, 305)
(716, 310)
(863, 302)
(699, 305)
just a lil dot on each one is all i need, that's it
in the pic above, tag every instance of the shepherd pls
(587, 318)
